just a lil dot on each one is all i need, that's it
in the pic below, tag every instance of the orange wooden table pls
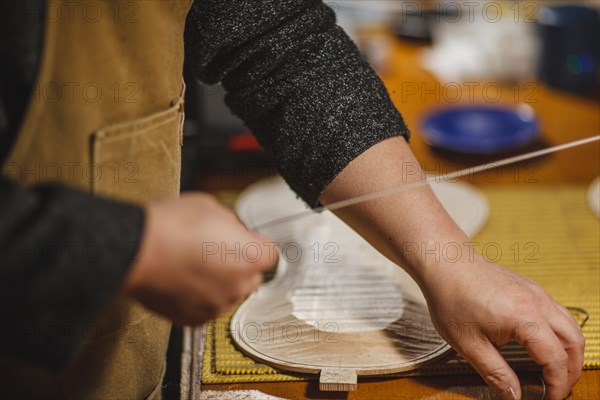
(564, 117)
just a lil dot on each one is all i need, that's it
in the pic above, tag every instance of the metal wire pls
(544, 387)
(581, 311)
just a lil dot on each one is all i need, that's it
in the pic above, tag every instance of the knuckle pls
(498, 377)
(559, 359)
(528, 310)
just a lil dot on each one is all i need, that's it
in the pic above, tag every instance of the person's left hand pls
(479, 306)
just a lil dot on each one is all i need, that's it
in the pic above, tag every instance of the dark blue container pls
(570, 37)
(480, 129)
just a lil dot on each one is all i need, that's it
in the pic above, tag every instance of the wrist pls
(434, 260)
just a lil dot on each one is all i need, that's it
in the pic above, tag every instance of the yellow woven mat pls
(546, 233)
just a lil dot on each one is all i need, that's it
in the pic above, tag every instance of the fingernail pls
(512, 393)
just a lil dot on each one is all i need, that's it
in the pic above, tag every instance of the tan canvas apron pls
(106, 117)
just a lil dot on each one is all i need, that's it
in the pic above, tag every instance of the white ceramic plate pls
(272, 198)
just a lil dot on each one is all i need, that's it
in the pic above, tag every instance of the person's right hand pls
(196, 260)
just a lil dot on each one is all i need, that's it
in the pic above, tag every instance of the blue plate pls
(481, 129)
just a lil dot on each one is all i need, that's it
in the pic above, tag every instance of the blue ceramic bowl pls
(481, 129)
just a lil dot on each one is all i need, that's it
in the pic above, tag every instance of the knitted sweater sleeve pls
(296, 80)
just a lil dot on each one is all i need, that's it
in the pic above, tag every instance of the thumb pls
(492, 367)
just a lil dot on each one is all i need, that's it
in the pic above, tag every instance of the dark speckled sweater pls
(290, 73)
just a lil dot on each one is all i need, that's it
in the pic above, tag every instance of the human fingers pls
(546, 349)
(492, 367)
(569, 333)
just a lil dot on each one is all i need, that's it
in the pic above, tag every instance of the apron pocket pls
(139, 160)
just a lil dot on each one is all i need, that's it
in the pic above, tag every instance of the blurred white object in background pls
(485, 40)
(363, 21)
(356, 14)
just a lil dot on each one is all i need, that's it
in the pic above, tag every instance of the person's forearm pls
(464, 292)
(407, 227)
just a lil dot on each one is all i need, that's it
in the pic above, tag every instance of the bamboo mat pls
(545, 233)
